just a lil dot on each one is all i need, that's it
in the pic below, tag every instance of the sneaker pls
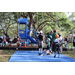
(48, 53)
(39, 53)
(58, 56)
(54, 55)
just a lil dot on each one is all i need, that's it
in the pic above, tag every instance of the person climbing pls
(53, 38)
(40, 43)
(56, 45)
(47, 41)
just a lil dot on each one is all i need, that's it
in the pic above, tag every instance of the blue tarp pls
(22, 21)
(32, 56)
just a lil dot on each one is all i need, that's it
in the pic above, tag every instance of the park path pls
(32, 56)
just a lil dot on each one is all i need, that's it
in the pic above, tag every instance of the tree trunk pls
(31, 21)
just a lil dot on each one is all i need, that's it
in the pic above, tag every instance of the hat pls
(54, 30)
(51, 31)
(41, 32)
(60, 34)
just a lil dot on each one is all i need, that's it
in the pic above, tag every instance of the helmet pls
(56, 36)
(54, 30)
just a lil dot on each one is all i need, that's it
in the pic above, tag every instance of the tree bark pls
(31, 19)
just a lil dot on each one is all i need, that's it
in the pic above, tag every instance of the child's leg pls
(55, 51)
(41, 50)
(58, 52)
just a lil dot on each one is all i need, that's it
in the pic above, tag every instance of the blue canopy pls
(22, 21)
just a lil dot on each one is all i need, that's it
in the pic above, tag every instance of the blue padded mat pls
(32, 56)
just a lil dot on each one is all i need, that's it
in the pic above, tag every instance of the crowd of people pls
(7, 41)
(53, 43)
(52, 40)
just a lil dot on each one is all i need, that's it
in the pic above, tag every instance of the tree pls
(40, 20)
(6, 20)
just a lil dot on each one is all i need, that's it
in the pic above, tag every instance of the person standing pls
(60, 40)
(40, 44)
(53, 38)
(1, 40)
(56, 45)
(74, 42)
(37, 39)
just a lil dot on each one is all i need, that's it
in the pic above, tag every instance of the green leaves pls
(46, 20)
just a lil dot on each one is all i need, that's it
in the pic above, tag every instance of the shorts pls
(48, 47)
(40, 44)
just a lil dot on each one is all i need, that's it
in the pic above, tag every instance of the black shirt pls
(40, 37)
(1, 40)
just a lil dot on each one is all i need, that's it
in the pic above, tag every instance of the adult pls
(60, 40)
(53, 38)
(1, 40)
(74, 42)
(37, 39)
(40, 44)
(65, 39)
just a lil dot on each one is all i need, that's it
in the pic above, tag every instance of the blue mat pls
(32, 56)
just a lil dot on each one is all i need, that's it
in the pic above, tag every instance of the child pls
(18, 42)
(47, 41)
(40, 43)
(4, 41)
(56, 45)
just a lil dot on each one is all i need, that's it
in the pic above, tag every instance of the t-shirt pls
(49, 36)
(56, 40)
(74, 40)
(53, 36)
(1, 40)
(60, 39)
(40, 37)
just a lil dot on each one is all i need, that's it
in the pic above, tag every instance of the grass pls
(71, 44)
(5, 55)
(69, 53)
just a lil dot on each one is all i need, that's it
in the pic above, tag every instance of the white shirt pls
(60, 38)
(56, 40)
